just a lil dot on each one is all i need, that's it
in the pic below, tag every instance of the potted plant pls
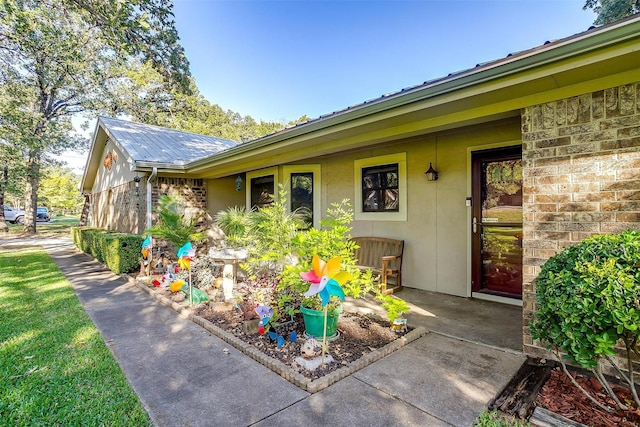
(331, 242)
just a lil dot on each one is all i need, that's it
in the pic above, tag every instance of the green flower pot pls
(314, 323)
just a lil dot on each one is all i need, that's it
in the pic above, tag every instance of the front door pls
(497, 222)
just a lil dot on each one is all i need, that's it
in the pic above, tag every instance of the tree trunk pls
(5, 179)
(31, 192)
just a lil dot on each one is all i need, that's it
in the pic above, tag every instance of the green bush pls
(119, 251)
(589, 301)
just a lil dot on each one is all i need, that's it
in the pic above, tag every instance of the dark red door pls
(497, 222)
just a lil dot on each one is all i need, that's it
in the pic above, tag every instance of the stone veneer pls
(128, 217)
(581, 167)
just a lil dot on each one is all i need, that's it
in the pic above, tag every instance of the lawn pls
(54, 367)
(58, 226)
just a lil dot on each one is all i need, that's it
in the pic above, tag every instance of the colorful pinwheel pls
(325, 279)
(185, 255)
(146, 247)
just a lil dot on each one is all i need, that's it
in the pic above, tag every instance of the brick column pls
(581, 170)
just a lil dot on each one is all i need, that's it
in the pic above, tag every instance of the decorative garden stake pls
(325, 279)
(185, 255)
(264, 314)
(276, 331)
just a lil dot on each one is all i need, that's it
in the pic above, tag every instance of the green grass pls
(495, 419)
(58, 226)
(55, 370)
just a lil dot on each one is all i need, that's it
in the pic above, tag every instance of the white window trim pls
(257, 174)
(317, 187)
(401, 160)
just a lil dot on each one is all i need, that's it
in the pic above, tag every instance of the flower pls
(325, 279)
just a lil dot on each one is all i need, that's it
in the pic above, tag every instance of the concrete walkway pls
(185, 376)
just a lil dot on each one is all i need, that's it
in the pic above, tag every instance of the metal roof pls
(155, 144)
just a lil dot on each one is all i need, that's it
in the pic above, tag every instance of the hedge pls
(119, 251)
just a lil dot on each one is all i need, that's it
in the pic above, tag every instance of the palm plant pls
(173, 225)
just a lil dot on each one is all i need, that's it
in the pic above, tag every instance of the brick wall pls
(192, 191)
(121, 209)
(581, 166)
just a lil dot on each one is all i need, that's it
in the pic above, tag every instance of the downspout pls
(154, 172)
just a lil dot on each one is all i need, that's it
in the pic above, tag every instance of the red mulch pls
(560, 396)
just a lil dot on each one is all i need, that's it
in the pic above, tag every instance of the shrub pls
(589, 300)
(331, 240)
(119, 251)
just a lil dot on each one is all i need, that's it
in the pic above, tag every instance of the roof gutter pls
(150, 180)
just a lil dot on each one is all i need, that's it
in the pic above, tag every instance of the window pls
(381, 188)
(302, 196)
(303, 185)
(262, 191)
(261, 187)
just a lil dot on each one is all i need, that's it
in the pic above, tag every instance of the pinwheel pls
(325, 279)
(146, 253)
(185, 255)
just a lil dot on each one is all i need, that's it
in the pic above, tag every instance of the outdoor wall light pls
(137, 181)
(431, 173)
(239, 183)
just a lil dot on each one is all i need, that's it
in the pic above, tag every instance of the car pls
(42, 214)
(14, 216)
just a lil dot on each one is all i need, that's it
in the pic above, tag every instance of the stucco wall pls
(581, 166)
(436, 231)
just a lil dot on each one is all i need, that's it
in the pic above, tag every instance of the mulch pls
(542, 383)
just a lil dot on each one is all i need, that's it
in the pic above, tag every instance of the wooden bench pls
(382, 256)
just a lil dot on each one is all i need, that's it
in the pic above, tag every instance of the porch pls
(478, 321)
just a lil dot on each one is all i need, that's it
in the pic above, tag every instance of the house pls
(533, 152)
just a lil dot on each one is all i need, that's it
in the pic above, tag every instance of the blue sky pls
(279, 60)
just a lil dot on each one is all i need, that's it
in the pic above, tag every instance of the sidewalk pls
(184, 376)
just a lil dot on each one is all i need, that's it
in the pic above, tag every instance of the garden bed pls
(542, 393)
(363, 339)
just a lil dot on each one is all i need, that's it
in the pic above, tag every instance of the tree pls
(10, 184)
(59, 190)
(612, 10)
(59, 58)
(148, 101)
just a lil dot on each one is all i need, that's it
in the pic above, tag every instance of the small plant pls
(394, 306)
(332, 240)
(589, 302)
(234, 222)
(494, 419)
